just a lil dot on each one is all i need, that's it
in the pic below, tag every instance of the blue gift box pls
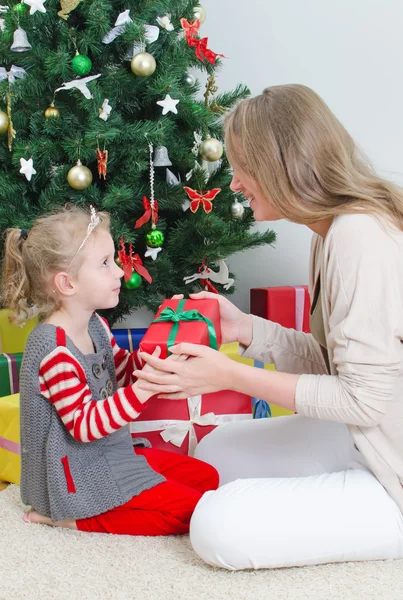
(128, 339)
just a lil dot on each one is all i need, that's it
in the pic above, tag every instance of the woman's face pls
(262, 208)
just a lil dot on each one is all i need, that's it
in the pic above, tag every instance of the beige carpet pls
(41, 563)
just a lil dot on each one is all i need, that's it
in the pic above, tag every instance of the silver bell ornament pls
(161, 158)
(237, 210)
(20, 41)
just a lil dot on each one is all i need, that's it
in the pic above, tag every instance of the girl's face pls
(98, 279)
(263, 210)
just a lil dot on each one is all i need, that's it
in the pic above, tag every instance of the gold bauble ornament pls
(211, 149)
(200, 13)
(143, 64)
(4, 122)
(79, 177)
(52, 112)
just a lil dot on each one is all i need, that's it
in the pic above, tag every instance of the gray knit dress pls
(61, 477)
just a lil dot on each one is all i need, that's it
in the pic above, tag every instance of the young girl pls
(79, 468)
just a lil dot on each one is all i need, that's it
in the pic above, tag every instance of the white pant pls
(295, 491)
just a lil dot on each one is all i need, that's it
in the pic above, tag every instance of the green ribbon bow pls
(169, 314)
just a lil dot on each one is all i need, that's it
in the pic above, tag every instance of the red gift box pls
(289, 306)
(186, 321)
(178, 425)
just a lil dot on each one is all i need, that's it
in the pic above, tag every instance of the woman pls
(324, 485)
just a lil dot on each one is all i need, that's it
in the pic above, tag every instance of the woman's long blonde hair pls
(33, 258)
(306, 163)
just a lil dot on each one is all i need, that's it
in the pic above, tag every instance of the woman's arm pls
(289, 350)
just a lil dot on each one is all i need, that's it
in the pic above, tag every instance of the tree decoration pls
(21, 8)
(52, 112)
(199, 13)
(20, 41)
(205, 273)
(203, 199)
(237, 210)
(36, 6)
(191, 29)
(211, 149)
(165, 22)
(81, 64)
(105, 110)
(152, 252)
(67, 7)
(4, 122)
(143, 64)
(120, 26)
(134, 282)
(155, 238)
(11, 75)
(188, 80)
(102, 162)
(131, 262)
(27, 168)
(79, 84)
(79, 177)
(168, 105)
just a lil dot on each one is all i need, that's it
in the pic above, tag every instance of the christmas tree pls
(99, 105)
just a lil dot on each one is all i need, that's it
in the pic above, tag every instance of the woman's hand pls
(204, 371)
(236, 326)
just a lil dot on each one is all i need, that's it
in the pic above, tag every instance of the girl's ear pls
(63, 284)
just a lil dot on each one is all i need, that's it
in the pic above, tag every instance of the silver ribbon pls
(13, 74)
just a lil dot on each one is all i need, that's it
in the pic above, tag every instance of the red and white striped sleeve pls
(125, 362)
(63, 382)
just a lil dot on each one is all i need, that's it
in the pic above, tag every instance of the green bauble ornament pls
(155, 238)
(81, 64)
(21, 9)
(134, 282)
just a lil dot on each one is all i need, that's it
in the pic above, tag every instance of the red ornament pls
(150, 212)
(191, 29)
(102, 161)
(132, 262)
(201, 198)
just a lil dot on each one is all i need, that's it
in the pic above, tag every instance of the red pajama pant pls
(165, 509)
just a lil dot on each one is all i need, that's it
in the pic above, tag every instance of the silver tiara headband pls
(94, 221)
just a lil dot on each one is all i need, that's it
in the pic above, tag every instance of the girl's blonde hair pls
(30, 264)
(306, 163)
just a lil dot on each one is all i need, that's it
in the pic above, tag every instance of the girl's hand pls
(204, 371)
(236, 326)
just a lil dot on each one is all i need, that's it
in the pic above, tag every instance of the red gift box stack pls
(178, 425)
(289, 306)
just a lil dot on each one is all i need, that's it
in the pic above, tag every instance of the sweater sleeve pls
(291, 351)
(125, 362)
(363, 286)
(63, 382)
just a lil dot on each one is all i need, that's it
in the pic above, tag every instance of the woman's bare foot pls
(33, 516)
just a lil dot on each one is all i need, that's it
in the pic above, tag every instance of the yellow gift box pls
(12, 337)
(10, 464)
(231, 350)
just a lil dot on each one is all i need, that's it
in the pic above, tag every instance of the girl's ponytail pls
(15, 283)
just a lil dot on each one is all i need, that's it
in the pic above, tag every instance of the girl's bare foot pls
(33, 516)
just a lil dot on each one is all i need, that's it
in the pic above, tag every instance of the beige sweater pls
(361, 272)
